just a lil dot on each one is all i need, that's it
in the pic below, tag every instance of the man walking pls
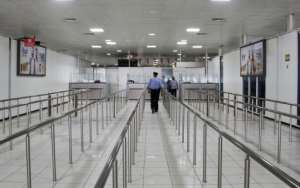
(173, 86)
(154, 87)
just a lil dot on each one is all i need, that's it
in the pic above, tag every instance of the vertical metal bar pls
(179, 119)
(106, 112)
(115, 174)
(246, 124)
(279, 139)
(204, 152)
(275, 118)
(57, 103)
(90, 124)
(188, 131)
(247, 172)
(18, 114)
(129, 156)
(220, 160)
(28, 161)
(81, 131)
(125, 163)
(40, 109)
(183, 122)
(29, 109)
(97, 118)
(70, 139)
(114, 106)
(3, 116)
(260, 130)
(195, 142)
(27, 115)
(53, 151)
(291, 125)
(102, 114)
(10, 127)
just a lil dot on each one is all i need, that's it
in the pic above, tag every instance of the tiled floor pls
(162, 160)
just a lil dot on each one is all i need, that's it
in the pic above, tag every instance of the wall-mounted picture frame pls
(253, 59)
(31, 60)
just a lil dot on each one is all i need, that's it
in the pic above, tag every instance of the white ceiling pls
(129, 21)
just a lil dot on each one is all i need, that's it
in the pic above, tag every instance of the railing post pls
(204, 151)
(76, 104)
(246, 124)
(102, 114)
(188, 131)
(220, 160)
(97, 117)
(81, 131)
(260, 130)
(10, 127)
(247, 172)
(28, 161)
(195, 142)
(183, 123)
(18, 114)
(114, 106)
(70, 139)
(179, 119)
(53, 151)
(90, 124)
(291, 125)
(125, 163)
(279, 139)
(115, 174)
(129, 155)
(49, 105)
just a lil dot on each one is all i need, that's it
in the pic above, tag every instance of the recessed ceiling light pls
(96, 46)
(96, 30)
(182, 42)
(193, 30)
(179, 54)
(151, 34)
(151, 46)
(119, 51)
(107, 40)
(197, 46)
(109, 54)
(175, 51)
(111, 43)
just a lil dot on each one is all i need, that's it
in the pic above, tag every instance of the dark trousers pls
(154, 99)
(173, 92)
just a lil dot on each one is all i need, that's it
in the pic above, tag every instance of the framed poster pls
(31, 60)
(253, 59)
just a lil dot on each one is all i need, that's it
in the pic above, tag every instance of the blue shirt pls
(155, 83)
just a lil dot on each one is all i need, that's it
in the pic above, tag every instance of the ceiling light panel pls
(193, 30)
(97, 30)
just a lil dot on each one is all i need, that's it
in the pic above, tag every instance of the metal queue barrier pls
(128, 140)
(177, 109)
(113, 104)
(56, 102)
(237, 103)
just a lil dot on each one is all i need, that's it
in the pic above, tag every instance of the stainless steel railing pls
(255, 111)
(59, 103)
(113, 105)
(128, 141)
(176, 110)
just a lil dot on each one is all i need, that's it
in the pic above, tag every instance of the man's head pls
(155, 74)
(173, 78)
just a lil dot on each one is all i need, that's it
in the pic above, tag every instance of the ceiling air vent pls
(218, 19)
(71, 20)
(89, 34)
(202, 34)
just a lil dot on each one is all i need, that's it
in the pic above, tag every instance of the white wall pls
(4, 50)
(232, 79)
(59, 70)
(214, 70)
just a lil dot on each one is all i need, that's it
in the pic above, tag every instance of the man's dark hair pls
(155, 74)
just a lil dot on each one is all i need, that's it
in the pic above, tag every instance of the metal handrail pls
(45, 100)
(289, 180)
(115, 106)
(111, 163)
(53, 119)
